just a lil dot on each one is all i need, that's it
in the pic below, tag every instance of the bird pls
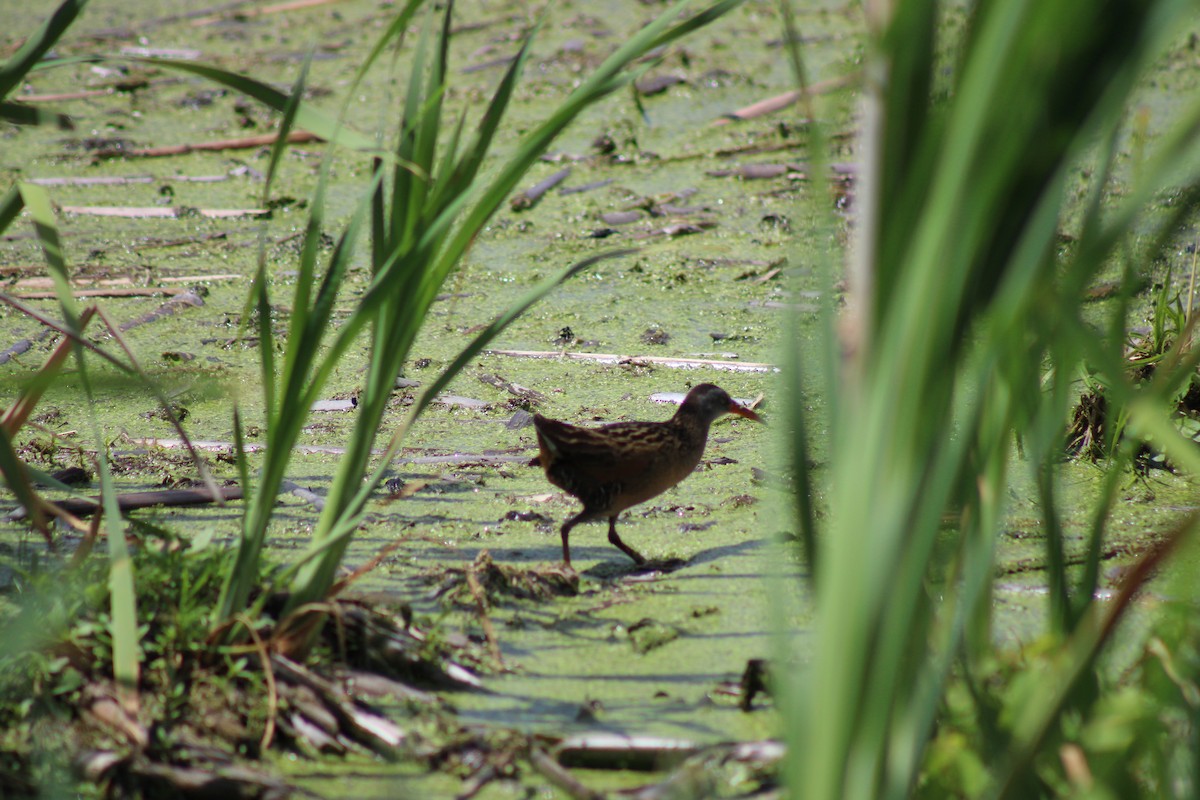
(616, 466)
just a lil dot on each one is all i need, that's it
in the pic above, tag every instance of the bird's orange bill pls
(742, 411)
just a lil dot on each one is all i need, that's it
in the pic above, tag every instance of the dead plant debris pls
(499, 581)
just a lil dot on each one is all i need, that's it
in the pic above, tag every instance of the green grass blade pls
(18, 114)
(305, 372)
(123, 621)
(123, 624)
(16, 478)
(286, 123)
(18, 65)
(11, 206)
(468, 166)
(395, 32)
(976, 185)
(37, 201)
(380, 246)
(819, 381)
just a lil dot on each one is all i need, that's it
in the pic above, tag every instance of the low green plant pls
(13, 72)
(1133, 738)
(122, 624)
(27, 59)
(19, 476)
(61, 645)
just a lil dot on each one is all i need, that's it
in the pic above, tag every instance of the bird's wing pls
(612, 453)
(562, 440)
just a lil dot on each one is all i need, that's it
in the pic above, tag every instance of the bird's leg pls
(566, 530)
(612, 537)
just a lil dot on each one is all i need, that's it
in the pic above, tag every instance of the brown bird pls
(616, 466)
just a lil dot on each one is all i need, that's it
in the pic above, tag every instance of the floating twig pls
(307, 495)
(620, 217)
(170, 19)
(58, 97)
(181, 298)
(24, 345)
(478, 25)
(767, 106)
(662, 361)
(678, 229)
(334, 405)
(122, 180)
(459, 401)
(603, 750)
(554, 772)
(459, 459)
(292, 5)
(523, 392)
(586, 187)
(151, 243)
(503, 61)
(134, 212)
(758, 147)
(782, 101)
(243, 143)
(767, 276)
(186, 299)
(529, 198)
(150, 291)
(124, 85)
(751, 172)
(85, 506)
(520, 419)
(92, 180)
(657, 84)
(83, 283)
(184, 53)
(705, 261)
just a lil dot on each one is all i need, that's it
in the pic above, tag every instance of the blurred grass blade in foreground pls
(965, 308)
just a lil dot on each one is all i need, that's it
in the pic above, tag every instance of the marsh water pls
(712, 283)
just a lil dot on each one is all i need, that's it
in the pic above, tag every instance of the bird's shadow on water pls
(623, 569)
(618, 567)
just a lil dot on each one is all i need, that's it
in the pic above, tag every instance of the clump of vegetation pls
(1121, 735)
(201, 703)
(1167, 343)
(488, 582)
(57, 664)
(963, 337)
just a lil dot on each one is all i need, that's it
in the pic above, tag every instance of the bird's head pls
(709, 402)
